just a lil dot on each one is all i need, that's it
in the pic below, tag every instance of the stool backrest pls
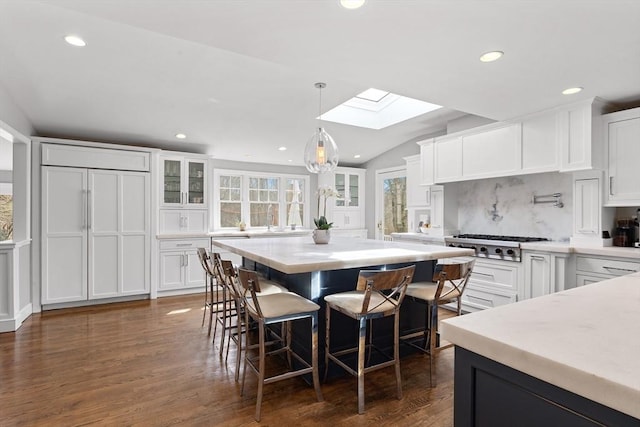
(205, 261)
(390, 284)
(232, 278)
(249, 286)
(457, 274)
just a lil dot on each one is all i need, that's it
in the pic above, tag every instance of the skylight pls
(377, 109)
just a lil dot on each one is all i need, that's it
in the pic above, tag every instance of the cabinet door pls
(119, 226)
(194, 274)
(172, 182)
(495, 152)
(172, 270)
(583, 279)
(448, 160)
(427, 160)
(353, 199)
(171, 221)
(437, 211)
(575, 138)
(194, 221)
(624, 152)
(417, 194)
(537, 279)
(196, 181)
(540, 146)
(340, 181)
(586, 195)
(104, 233)
(64, 234)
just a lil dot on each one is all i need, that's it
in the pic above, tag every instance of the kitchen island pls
(570, 358)
(314, 271)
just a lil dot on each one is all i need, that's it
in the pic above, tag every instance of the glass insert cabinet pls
(346, 210)
(184, 182)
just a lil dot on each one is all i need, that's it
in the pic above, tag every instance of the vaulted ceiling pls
(237, 76)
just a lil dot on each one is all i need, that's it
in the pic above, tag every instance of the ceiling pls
(237, 76)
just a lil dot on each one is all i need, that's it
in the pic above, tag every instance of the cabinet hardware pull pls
(537, 257)
(435, 226)
(184, 244)
(611, 186)
(89, 222)
(84, 209)
(619, 269)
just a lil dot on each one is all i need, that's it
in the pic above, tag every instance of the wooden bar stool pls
(450, 279)
(378, 294)
(211, 299)
(272, 309)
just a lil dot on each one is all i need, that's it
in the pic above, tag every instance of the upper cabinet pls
(622, 149)
(417, 194)
(495, 151)
(564, 139)
(427, 160)
(580, 136)
(184, 182)
(347, 209)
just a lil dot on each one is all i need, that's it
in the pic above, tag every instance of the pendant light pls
(321, 152)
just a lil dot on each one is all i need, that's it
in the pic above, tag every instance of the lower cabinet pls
(591, 269)
(545, 273)
(183, 221)
(180, 268)
(492, 283)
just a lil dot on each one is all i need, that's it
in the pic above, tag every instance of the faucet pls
(269, 217)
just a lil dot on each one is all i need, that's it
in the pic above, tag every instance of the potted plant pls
(321, 234)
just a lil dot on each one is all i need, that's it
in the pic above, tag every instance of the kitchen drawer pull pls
(611, 186)
(184, 244)
(619, 269)
(435, 226)
(537, 257)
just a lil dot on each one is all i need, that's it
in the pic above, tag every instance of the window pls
(6, 217)
(259, 199)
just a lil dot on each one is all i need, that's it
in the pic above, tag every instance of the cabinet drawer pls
(478, 297)
(610, 267)
(184, 244)
(92, 157)
(497, 276)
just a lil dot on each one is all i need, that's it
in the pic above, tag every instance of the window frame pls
(245, 204)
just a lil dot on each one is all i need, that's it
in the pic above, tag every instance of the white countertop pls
(257, 232)
(301, 255)
(584, 340)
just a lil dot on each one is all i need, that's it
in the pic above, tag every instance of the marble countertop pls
(584, 340)
(301, 255)
(258, 232)
(418, 237)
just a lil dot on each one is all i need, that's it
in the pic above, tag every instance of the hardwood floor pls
(151, 363)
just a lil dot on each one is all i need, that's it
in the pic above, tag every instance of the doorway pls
(391, 202)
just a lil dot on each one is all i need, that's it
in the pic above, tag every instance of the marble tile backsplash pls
(504, 206)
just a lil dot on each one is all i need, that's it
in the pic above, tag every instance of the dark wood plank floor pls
(151, 363)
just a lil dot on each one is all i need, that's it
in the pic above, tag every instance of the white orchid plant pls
(323, 194)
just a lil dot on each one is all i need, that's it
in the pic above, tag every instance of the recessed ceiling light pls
(491, 56)
(181, 135)
(289, 160)
(357, 156)
(571, 90)
(75, 41)
(282, 148)
(351, 4)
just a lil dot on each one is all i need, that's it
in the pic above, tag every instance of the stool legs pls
(362, 347)
(314, 356)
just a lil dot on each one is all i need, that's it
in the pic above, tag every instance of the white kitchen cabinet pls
(544, 273)
(184, 181)
(540, 144)
(492, 283)
(579, 136)
(448, 159)
(591, 269)
(590, 218)
(622, 143)
(492, 152)
(417, 194)
(180, 268)
(427, 159)
(176, 221)
(347, 209)
(95, 234)
(441, 214)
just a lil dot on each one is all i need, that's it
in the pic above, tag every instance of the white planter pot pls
(321, 237)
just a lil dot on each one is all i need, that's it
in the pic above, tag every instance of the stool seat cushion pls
(267, 287)
(351, 302)
(427, 291)
(282, 304)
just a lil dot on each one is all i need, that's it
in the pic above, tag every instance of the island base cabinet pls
(488, 393)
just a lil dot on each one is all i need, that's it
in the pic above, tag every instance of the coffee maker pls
(625, 233)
